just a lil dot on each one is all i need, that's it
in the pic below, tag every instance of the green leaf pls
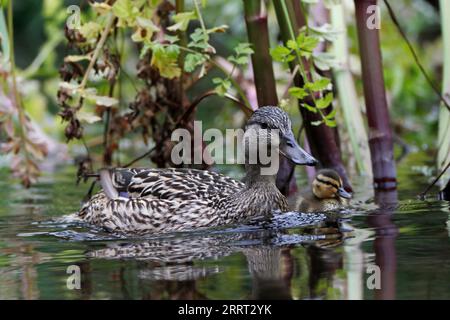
(243, 60)
(243, 49)
(324, 102)
(330, 123)
(223, 85)
(182, 20)
(316, 123)
(145, 49)
(318, 85)
(122, 8)
(306, 44)
(91, 31)
(165, 60)
(171, 39)
(198, 35)
(199, 39)
(331, 115)
(145, 30)
(297, 92)
(282, 54)
(291, 44)
(310, 108)
(193, 60)
(125, 11)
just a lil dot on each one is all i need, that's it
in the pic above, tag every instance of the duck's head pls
(328, 185)
(271, 126)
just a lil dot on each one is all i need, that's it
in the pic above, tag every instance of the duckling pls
(326, 194)
(144, 201)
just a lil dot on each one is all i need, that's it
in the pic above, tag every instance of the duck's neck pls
(260, 197)
(255, 177)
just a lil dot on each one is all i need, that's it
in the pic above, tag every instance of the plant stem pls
(307, 77)
(380, 134)
(347, 94)
(200, 18)
(444, 115)
(235, 84)
(179, 7)
(322, 139)
(233, 81)
(5, 38)
(17, 97)
(97, 50)
(415, 56)
(258, 36)
(424, 193)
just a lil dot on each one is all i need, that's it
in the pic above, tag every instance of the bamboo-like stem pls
(322, 139)
(347, 94)
(258, 36)
(380, 134)
(444, 114)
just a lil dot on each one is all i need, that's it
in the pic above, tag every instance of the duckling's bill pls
(344, 194)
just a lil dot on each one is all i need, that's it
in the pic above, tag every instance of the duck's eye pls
(264, 126)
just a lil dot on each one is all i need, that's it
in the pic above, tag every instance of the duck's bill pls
(291, 150)
(344, 194)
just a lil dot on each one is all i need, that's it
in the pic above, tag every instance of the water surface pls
(294, 256)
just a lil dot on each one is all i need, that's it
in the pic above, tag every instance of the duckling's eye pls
(264, 125)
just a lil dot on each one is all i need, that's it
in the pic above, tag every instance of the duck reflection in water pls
(170, 268)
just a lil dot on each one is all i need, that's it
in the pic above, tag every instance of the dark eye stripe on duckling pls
(327, 181)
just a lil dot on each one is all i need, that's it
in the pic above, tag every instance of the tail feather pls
(107, 184)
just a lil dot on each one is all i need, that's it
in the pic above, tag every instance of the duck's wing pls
(174, 183)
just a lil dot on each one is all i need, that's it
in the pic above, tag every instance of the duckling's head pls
(271, 127)
(328, 185)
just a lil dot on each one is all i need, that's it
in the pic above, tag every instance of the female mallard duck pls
(326, 194)
(165, 200)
